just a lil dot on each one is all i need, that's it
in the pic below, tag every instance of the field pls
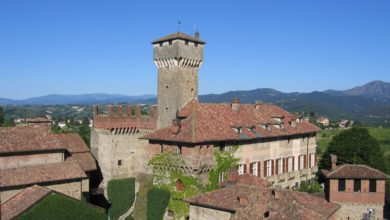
(381, 134)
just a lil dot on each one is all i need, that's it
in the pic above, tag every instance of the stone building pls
(358, 189)
(249, 197)
(32, 155)
(272, 142)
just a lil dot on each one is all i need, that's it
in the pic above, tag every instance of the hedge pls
(158, 200)
(121, 196)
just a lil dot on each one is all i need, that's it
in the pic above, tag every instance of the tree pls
(1, 116)
(355, 146)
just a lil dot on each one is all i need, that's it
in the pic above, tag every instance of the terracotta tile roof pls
(218, 122)
(31, 175)
(38, 138)
(280, 204)
(85, 159)
(22, 201)
(350, 171)
(178, 35)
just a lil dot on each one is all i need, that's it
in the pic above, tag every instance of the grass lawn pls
(381, 134)
(60, 207)
(121, 195)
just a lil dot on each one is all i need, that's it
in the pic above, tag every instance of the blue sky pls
(82, 46)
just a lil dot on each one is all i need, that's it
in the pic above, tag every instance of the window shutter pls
(315, 159)
(293, 163)
(272, 168)
(277, 166)
(258, 169)
(284, 165)
(251, 168)
(244, 168)
(305, 161)
(265, 168)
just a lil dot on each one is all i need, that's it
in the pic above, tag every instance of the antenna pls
(178, 26)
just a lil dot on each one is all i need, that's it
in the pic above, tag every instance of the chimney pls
(110, 110)
(95, 110)
(258, 104)
(236, 104)
(176, 125)
(333, 159)
(197, 35)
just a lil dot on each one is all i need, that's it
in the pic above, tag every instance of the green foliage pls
(310, 187)
(83, 130)
(59, 207)
(225, 161)
(2, 119)
(158, 200)
(121, 195)
(355, 146)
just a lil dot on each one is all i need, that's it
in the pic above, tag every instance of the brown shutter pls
(305, 161)
(293, 163)
(265, 168)
(284, 165)
(251, 168)
(277, 166)
(244, 168)
(258, 169)
(272, 168)
(315, 159)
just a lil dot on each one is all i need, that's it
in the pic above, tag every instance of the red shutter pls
(305, 161)
(277, 166)
(244, 168)
(251, 168)
(258, 169)
(265, 169)
(299, 162)
(315, 159)
(293, 163)
(284, 165)
(272, 168)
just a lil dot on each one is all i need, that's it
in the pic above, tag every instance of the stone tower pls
(178, 57)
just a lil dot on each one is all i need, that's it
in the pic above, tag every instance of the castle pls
(273, 143)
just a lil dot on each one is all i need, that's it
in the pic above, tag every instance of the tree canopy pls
(1, 116)
(355, 146)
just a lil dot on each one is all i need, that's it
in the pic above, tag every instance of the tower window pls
(266, 214)
(186, 42)
(170, 42)
(119, 162)
(166, 87)
(372, 185)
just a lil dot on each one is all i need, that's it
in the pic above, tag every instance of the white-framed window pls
(240, 169)
(301, 162)
(255, 167)
(290, 162)
(268, 168)
(312, 160)
(280, 166)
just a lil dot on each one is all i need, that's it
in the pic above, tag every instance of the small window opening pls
(266, 214)
(170, 42)
(119, 162)
(186, 42)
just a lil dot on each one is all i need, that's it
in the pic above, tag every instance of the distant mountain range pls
(369, 102)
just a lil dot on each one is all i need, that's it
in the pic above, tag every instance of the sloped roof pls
(23, 201)
(351, 171)
(85, 159)
(45, 173)
(285, 205)
(178, 35)
(217, 122)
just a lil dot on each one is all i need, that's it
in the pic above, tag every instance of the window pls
(255, 166)
(240, 169)
(119, 162)
(186, 42)
(372, 185)
(280, 166)
(268, 168)
(301, 162)
(266, 214)
(290, 162)
(356, 185)
(341, 185)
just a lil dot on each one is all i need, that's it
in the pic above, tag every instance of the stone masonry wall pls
(356, 211)
(200, 213)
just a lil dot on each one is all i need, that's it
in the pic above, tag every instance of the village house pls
(32, 155)
(358, 189)
(323, 120)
